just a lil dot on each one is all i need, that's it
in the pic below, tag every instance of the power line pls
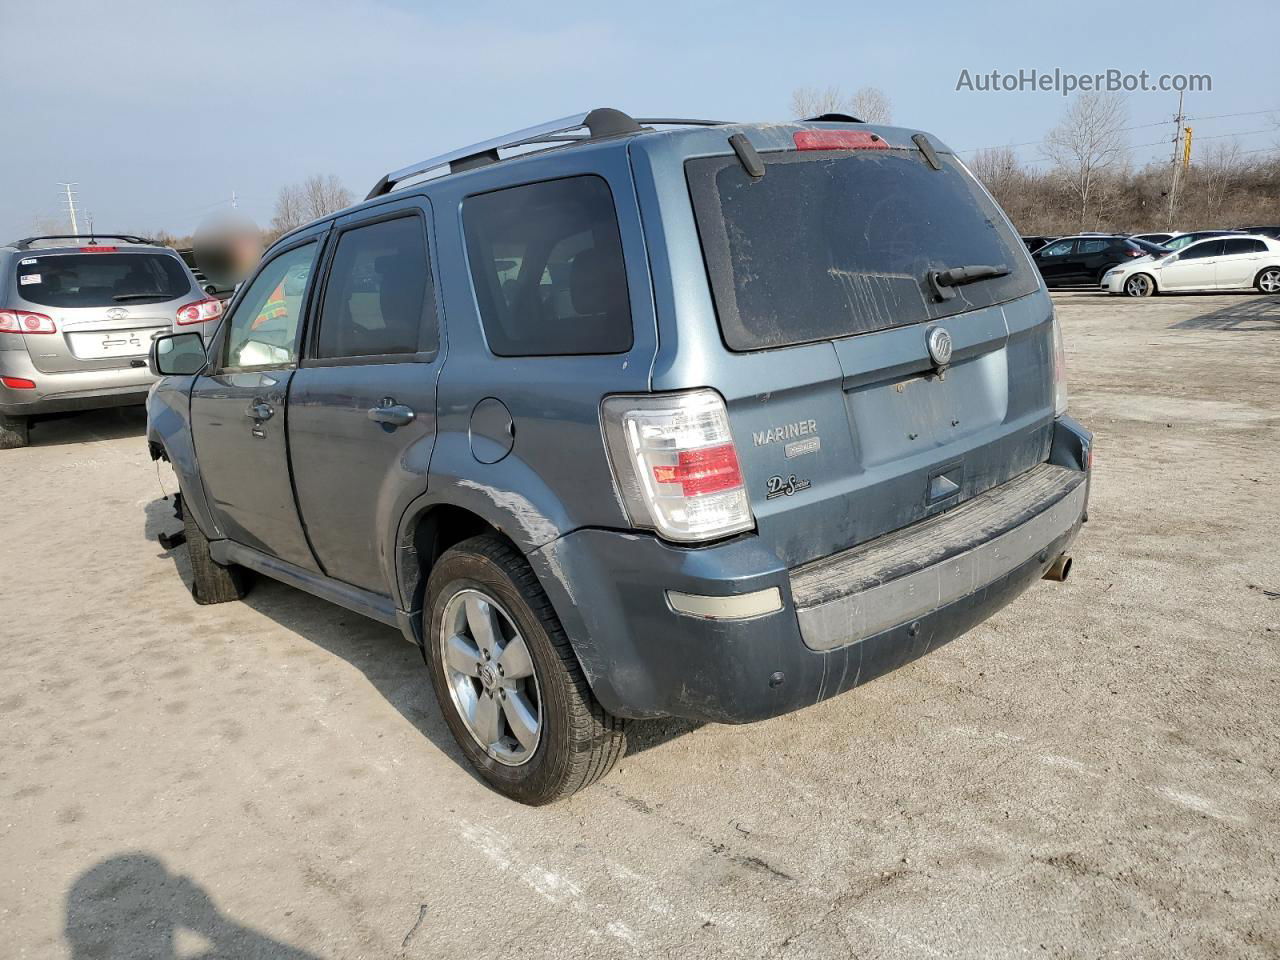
(1144, 126)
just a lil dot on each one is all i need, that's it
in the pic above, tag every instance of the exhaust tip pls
(1060, 569)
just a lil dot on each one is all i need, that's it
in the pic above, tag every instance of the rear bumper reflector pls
(740, 607)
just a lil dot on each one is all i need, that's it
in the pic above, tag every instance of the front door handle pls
(390, 412)
(260, 410)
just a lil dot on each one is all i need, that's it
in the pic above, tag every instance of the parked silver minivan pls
(77, 316)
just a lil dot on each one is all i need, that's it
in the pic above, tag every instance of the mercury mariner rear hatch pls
(834, 257)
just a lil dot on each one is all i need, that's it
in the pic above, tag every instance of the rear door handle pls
(260, 410)
(395, 414)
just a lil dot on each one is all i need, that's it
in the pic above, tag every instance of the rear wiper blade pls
(944, 282)
(140, 296)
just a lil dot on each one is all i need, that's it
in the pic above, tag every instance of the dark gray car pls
(663, 418)
(77, 316)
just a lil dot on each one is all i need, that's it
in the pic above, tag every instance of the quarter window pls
(263, 330)
(546, 261)
(378, 299)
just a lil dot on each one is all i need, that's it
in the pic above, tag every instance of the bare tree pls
(1213, 173)
(1086, 146)
(869, 104)
(289, 211)
(297, 203)
(322, 196)
(998, 169)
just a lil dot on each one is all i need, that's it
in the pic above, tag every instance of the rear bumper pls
(841, 621)
(62, 392)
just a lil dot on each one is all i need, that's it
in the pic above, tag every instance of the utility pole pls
(71, 204)
(1177, 168)
(233, 200)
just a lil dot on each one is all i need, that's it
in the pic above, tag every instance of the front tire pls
(507, 680)
(211, 582)
(1139, 285)
(1268, 281)
(14, 432)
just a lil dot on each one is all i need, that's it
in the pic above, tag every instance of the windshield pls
(830, 244)
(101, 279)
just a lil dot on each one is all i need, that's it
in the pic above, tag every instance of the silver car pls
(77, 316)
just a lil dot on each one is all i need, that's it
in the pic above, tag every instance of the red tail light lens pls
(709, 470)
(18, 383)
(97, 249)
(1135, 253)
(202, 311)
(676, 465)
(838, 140)
(20, 321)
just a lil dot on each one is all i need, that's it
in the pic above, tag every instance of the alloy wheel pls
(491, 677)
(1138, 286)
(1270, 281)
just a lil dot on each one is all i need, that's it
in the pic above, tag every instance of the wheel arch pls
(1257, 277)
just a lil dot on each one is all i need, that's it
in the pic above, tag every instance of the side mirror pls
(176, 354)
(1172, 258)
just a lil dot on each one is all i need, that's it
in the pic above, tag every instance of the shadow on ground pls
(394, 667)
(56, 429)
(1253, 315)
(131, 907)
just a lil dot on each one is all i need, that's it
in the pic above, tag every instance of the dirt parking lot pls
(1093, 773)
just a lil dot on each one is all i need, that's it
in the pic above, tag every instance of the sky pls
(159, 111)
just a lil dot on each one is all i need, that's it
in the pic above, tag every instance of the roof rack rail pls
(599, 123)
(26, 242)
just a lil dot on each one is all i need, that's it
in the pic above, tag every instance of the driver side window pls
(263, 330)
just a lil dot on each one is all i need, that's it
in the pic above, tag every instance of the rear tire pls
(211, 582)
(1268, 281)
(14, 432)
(533, 730)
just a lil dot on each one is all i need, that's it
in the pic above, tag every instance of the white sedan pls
(1219, 263)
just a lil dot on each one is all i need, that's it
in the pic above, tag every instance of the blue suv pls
(624, 418)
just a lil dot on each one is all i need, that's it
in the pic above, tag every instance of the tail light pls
(18, 383)
(202, 311)
(97, 249)
(1135, 253)
(676, 465)
(21, 321)
(838, 140)
(1059, 370)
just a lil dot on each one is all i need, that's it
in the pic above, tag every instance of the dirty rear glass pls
(833, 244)
(101, 279)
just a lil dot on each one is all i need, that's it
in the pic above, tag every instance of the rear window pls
(546, 261)
(101, 279)
(833, 244)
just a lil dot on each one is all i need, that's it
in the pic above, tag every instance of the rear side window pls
(101, 279)
(837, 243)
(378, 299)
(1097, 246)
(546, 261)
(1246, 246)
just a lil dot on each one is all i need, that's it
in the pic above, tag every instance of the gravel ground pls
(1092, 773)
